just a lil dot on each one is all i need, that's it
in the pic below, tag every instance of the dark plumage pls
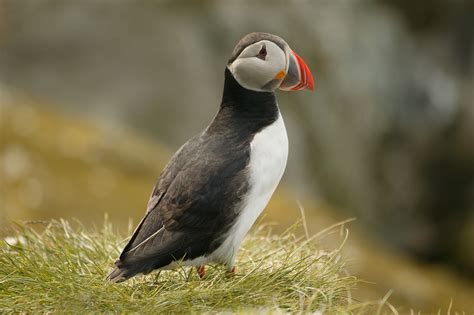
(198, 189)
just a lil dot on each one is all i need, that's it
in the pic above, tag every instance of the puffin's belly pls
(268, 157)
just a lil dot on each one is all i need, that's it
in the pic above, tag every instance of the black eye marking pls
(262, 53)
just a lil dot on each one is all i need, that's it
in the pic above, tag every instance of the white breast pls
(268, 156)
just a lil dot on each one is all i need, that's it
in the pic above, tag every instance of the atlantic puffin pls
(216, 185)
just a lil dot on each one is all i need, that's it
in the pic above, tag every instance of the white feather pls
(253, 73)
(268, 157)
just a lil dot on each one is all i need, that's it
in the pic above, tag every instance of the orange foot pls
(232, 270)
(201, 271)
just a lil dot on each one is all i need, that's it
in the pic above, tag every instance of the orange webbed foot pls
(201, 271)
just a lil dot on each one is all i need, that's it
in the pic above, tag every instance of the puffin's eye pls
(262, 53)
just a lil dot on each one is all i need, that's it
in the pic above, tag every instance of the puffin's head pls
(265, 62)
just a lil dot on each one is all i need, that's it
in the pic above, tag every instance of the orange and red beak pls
(298, 76)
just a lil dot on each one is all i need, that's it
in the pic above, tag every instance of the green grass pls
(57, 268)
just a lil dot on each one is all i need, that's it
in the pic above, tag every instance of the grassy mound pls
(58, 268)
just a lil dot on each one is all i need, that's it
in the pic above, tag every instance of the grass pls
(57, 268)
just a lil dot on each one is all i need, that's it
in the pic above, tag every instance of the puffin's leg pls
(201, 271)
(230, 265)
(231, 271)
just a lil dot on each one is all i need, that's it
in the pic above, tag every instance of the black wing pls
(192, 204)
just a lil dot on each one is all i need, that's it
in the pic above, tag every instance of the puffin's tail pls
(119, 273)
(116, 275)
(125, 270)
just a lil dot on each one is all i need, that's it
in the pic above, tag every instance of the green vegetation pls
(112, 170)
(57, 268)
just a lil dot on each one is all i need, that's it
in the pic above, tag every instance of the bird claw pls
(231, 271)
(201, 271)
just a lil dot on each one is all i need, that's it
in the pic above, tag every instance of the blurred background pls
(95, 96)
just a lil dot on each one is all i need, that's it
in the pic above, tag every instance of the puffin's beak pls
(298, 76)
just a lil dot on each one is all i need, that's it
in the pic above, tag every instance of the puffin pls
(216, 185)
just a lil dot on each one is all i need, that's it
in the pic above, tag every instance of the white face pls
(260, 66)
